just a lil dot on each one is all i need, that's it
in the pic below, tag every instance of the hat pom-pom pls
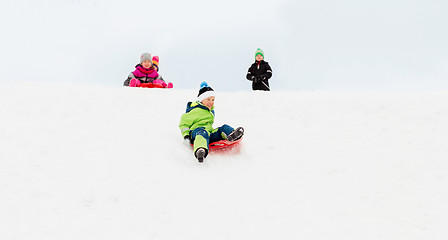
(204, 84)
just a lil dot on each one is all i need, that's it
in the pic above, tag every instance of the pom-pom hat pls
(205, 92)
(155, 62)
(259, 52)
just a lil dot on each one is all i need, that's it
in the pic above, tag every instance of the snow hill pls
(94, 162)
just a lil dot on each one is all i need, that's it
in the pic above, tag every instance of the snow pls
(351, 143)
(87, 162)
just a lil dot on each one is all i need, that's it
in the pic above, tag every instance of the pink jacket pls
(144, 74)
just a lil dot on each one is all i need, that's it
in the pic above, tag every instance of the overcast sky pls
(311, 45)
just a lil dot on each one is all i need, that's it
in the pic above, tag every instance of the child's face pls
(146, 64)
(259, 57)
(209, 102)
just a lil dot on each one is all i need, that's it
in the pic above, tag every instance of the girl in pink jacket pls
(146, 74)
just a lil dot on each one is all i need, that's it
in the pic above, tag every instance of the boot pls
(200, 154)
(236, 134)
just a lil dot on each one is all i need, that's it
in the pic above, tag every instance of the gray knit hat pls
(145, 56)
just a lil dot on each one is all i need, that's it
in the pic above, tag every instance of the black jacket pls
(261, 71)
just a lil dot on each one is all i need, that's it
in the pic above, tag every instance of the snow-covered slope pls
(94, 162)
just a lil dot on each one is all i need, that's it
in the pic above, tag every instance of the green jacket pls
(197, 115)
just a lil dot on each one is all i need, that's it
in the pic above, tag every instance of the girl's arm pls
(159, 79)
(126, 82)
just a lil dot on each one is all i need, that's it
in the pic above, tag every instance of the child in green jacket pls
(196, 123)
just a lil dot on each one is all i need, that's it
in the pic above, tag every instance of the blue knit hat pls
(205, 92)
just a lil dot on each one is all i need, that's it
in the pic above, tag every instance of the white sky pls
(311, 45)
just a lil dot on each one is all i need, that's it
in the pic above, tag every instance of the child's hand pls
(187, 140)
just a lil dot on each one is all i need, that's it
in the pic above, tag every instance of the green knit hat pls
(259, 52)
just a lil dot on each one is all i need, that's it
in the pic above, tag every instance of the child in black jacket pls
(259, 72)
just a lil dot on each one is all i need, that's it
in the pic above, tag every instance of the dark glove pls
(252, 78)
(263, 78)
(187, 140)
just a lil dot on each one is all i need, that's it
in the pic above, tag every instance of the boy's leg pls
(221, 133)
(200, 138)
(236, 134)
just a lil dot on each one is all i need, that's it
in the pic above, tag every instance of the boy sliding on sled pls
(196, 124)
(146, 74)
